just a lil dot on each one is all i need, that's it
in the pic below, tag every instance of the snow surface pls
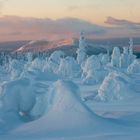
(60, 97)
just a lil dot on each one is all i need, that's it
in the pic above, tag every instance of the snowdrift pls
(67, 116)
(24, 99)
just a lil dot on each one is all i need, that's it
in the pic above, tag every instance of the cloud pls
(121, 22)
(36, 28)
(28, 28)
(122, 27)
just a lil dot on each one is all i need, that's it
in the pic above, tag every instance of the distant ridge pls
(44, 45)
(69, 46)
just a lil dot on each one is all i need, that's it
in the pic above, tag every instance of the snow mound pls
(67, 115)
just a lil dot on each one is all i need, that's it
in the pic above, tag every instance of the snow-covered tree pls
(54, 60)
(132, 57)
(69, 67)
(124, 59)
(105, 59)
(115, 58)
(134, 67)
(81, 51)
(92, 70)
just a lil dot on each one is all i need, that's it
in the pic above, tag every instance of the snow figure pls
(134, 67)
(124, 59)
(92, 72)
(105, 59)
(115, 58)
(37, 63)
(118, 81)
(131, 45)
(29, 57)
(132, 57)
(92, 63)
(69, 67)
(15, 68)
(108, 49)
(54, 61)
(81, 51)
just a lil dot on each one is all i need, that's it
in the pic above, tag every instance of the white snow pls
(54, 60)
(115, 57)
(93, 72)
(61, 97)
(81, 51)
(69, 68)
(115, 87)
(134, 67)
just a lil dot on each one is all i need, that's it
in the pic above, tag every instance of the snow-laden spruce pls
(115, 86)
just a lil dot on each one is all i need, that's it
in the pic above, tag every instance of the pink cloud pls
(36, 28)
(28, 28)
(120, 22)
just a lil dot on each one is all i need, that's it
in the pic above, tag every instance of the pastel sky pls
(97, 12)
(92, 10)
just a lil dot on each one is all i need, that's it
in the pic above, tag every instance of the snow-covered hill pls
(57, 97)
(44, 45)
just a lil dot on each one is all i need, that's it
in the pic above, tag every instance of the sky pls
(111, 16)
